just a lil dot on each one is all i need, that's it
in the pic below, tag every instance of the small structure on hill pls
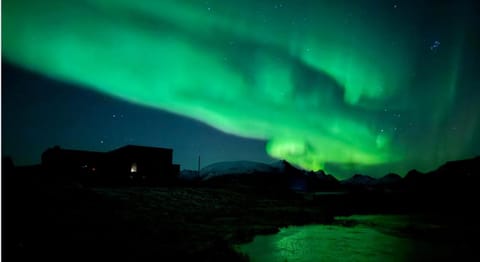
(128, 163)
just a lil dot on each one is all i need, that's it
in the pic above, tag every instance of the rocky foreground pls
(68, 221)
(59, 219)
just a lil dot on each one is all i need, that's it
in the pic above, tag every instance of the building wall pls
(150, 164)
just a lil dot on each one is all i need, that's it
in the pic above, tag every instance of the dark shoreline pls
(62, 219)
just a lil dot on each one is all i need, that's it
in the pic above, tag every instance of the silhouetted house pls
(75, 162)
(141, 162)
(128, 163)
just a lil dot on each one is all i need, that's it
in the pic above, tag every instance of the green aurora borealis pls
(346, 86)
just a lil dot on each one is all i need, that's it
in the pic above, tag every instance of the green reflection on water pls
(368, 238)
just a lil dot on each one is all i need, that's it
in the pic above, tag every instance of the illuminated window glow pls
(133, 168)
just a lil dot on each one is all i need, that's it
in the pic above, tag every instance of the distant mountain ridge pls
(358, 179)
(235, 167)
(279, 174)
(460, 173)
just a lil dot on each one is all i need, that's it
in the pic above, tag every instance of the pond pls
(356, 238)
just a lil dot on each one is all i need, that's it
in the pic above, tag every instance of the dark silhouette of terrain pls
(127, 165)
(282, 177)
(66, 218)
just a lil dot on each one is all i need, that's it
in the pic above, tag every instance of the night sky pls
(361, 86)
(39, 113)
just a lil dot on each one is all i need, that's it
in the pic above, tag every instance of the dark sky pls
(363, 86)
(38, 113)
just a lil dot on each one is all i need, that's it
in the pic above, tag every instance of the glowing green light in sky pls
(311, 77)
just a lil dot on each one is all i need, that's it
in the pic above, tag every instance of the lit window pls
(133, 168)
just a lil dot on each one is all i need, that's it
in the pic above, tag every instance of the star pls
(435, 45)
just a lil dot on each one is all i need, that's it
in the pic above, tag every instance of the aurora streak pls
(329, 84)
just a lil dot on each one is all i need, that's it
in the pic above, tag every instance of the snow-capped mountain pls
(280, 165)
(359, 180)
(279, 174)
(389, 179)
(235, 168)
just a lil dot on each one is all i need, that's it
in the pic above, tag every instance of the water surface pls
(355, 238)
